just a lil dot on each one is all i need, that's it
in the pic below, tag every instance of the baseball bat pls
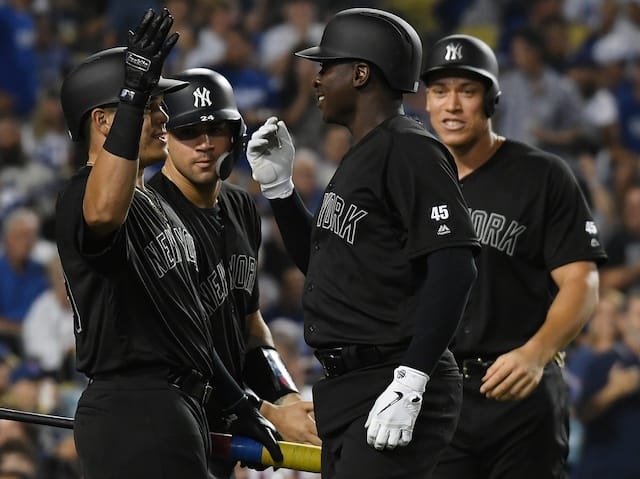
(301, 457)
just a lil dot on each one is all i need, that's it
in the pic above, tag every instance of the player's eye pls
(194, 131)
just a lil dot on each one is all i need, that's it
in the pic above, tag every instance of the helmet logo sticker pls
(453, 52)
(201, 97)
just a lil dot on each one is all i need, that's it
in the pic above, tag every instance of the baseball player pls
(537, 282)
(142, 334)
(206, 135)
(388, 256)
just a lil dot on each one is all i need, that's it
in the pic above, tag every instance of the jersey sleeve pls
(422, 184)
(101, 253)
(571, 233)
(257, 242)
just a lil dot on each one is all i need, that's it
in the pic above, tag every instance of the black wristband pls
(123, 139)
(265, 373)
(134, 97)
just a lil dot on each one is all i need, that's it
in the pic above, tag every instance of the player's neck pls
(201, 195)
(473, 157)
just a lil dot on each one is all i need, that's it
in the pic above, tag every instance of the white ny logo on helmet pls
(201, 97)
(454, 52)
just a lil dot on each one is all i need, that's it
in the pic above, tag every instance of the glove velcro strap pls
(266, 374)
(273, 191)
(412, 378)
(123, 139)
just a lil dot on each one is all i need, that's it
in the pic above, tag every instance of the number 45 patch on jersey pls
(441, 213)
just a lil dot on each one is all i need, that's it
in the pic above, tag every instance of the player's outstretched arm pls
(112, 180)
(266, 374)
(270, 153)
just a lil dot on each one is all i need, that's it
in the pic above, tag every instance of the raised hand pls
(147, 49)
(270, 153)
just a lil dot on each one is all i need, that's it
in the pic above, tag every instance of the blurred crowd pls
(570, 84)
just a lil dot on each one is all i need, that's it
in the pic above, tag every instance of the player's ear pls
(101, 120)
(361, 74)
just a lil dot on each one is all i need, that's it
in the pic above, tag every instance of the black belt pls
(192, 383)
(474, 367)
(338, 361)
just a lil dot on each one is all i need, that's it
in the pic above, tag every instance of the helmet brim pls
(168, 85)
(319, 54)
(457, 69)
(202, 116)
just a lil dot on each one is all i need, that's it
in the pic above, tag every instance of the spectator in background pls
(336, 141)
(289, 304)
(257, 99)
(300, 25)
(556, 38)
(48, 327)
(538, 106)
(45, 138)
(211, 45)
(628, 98)
(622, 271)
(610, 406)
(22, 182)
(22, 279)
(19, 79)
(600, 109)
(24, 389)
(298, 102)
(18, 461)
(305, 177)
(120, 15)
(184, 23)
(52, 55)
(599, 337)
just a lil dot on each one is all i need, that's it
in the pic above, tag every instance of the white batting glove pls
(391, 420)
(270, 153)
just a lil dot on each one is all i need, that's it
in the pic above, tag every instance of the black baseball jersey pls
(394, 197)
(135, 300)
(233, 228)
(530, 217)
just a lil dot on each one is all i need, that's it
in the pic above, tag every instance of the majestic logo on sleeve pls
(170, 248)
(335, 216)
(495, 230)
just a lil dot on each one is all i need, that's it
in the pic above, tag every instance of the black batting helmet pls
(95, 82)
(375, 36)
(208, 97)
(470, 54)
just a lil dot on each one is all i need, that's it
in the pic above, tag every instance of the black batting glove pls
(147, 49)
(244, 419)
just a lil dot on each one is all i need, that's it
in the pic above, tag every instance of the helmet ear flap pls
(491, 99)
(227, 161)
